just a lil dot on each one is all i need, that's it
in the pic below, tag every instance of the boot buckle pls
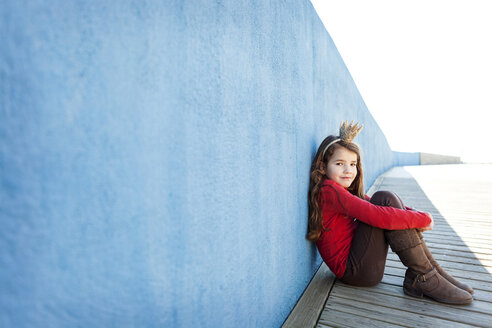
(418, 279)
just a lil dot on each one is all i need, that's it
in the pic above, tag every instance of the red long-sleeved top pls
(339, 209)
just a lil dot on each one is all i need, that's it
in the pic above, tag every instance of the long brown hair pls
(318, 175)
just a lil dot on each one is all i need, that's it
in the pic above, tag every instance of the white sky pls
(423, 68)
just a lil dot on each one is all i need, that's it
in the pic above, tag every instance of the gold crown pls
(348, 131)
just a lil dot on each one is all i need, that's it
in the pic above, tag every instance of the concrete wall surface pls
(404, 158)
(154, 159)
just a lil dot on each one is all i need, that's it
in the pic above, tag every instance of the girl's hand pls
(430, 226)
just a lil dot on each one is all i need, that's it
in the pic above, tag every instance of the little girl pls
(352, 231)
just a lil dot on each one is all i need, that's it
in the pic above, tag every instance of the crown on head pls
(348, 132)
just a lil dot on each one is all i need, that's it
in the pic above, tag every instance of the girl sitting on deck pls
(352, 231)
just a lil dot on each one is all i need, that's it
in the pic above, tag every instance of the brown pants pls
(367, 257)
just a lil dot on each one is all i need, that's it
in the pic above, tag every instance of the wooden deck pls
(460, 199)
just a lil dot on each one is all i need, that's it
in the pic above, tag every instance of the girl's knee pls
(387, 198)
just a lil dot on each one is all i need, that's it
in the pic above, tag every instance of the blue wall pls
(155, 159)
(403, 158)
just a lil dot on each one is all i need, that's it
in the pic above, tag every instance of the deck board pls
(461, 242)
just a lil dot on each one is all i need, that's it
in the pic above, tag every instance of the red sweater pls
(339, 209)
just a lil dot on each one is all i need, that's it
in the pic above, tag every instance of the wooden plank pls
(473, 280)
(466, 314)
(473, 238)
(472, 275)
(466, 221)
(393, 316)
(446, 265)
(463, 246)
(482, 307)
(463, 236)
(443, 260)
(459, 248)
(458, 253)
(441, 243)
(308, 309)
(448, 240)
(444, 225)
(376, 185)
(473, 235)
(452, 258)
(343, 318)
(478, 274)
(442, 240)
(449, 228)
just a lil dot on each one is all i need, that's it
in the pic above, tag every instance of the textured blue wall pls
(402, 158)
(155, 159)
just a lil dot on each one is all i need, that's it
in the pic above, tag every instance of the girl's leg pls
(441, 271)
(431, 259)
(367, 257)
(421, 278)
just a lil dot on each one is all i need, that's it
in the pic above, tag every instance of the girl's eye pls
(353, 164)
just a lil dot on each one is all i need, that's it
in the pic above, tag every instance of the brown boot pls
(421, 278)
(433, 285)
(441, 271)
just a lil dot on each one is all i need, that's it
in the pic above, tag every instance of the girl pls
(352, 231)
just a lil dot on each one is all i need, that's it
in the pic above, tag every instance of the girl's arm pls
(389, 218)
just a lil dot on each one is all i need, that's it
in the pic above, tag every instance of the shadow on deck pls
(461, 241)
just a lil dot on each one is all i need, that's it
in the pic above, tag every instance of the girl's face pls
(342, 167)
